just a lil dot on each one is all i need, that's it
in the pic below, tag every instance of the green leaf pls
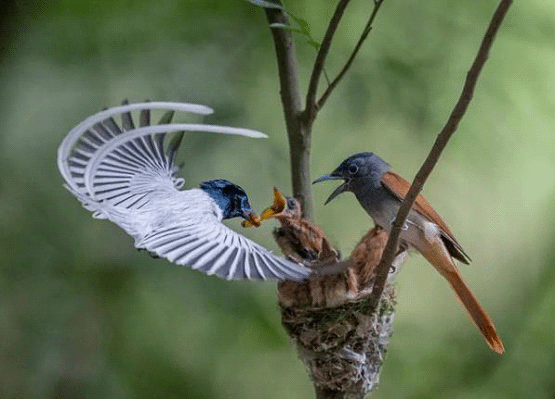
(265, 4)
(305, 27)
(314, 44)
(280, 25)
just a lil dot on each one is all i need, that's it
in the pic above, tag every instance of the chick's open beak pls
(277, 207)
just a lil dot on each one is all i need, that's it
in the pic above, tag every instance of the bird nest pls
(343, 347)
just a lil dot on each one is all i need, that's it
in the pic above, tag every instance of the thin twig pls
(438, 147)
(310, 106)
(363, 36)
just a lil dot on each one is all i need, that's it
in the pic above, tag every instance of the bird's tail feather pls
(105, 162)
(477, 313)
(445, 266)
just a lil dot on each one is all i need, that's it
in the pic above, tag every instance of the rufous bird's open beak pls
(277, 207)
(332, 176)
(251, 219)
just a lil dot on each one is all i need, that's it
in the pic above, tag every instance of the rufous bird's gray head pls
(356, 171)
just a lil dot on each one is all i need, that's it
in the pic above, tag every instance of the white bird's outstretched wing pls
(127, 175)
(198, 239)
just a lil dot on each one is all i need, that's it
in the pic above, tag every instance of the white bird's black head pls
(231, 199)
(357, 171)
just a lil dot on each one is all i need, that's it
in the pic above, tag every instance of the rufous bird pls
(380, 192)
(127, 174)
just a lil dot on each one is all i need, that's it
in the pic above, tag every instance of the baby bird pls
(302, 241)
(299, 238)
(367, 255)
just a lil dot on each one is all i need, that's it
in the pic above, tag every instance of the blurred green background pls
(84, 315)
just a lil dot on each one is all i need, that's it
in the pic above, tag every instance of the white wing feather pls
(127, 175)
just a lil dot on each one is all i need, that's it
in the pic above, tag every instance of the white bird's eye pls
(353, 169)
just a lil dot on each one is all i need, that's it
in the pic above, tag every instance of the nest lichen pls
(343, 347)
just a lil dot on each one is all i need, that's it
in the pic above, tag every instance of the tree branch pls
(438, 147)
(299, 133)
(363, 36)
(310, 106)
(299, 122)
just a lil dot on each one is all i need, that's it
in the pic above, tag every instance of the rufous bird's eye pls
(352, 169)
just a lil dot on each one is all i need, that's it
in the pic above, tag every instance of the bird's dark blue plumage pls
(231, 198)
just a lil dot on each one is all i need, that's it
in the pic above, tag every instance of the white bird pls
(127, 174)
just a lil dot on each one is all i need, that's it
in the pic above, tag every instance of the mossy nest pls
(343, 347)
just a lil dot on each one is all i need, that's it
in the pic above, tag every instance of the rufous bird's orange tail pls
(476, 312)
(439, 258)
